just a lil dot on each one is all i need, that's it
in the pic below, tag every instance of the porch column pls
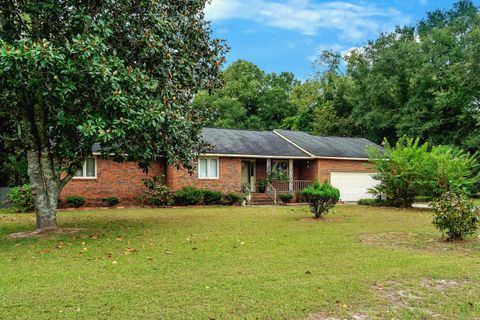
(290, 175)
(269, 168)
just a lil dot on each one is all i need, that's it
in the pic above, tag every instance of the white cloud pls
(355, 22)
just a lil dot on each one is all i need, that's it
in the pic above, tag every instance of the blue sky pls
(286, 35)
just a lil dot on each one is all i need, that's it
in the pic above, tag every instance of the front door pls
(248, 173)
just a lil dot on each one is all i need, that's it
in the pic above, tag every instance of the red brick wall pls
(261, 168)
(121, 180)
(325, 166)
(305, 169)
(230, 178)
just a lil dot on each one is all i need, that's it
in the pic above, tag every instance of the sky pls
(286, 35)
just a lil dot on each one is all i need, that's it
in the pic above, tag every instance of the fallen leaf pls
(129, 251)
(114, 262)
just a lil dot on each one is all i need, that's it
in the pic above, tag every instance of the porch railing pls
(283, 186)
(272, 192)
(246, 191)
(301, 184)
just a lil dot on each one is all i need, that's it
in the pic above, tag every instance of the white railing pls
(272, 192)
(246, 191)
(301, 184)
(283, 186)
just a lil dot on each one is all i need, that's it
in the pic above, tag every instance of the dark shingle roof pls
(249, 142)
(329, 146)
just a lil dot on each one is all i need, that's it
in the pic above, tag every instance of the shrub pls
(21, 198)
(286, 197)
(401, 171)
(232, 198)
(376, 202)
(188, 196)
(157, 194)
(320, 197)
(75, 201)
(112, 201)
(212, 197)
(455, 216)
(409, 169)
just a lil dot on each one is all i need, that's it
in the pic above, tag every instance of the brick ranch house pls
(237, 161)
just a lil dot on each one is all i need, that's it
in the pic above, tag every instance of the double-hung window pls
(208, 168)
(88, 170)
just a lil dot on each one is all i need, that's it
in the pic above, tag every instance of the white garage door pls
(352, 185)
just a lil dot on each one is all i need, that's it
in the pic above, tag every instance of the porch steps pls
(261, 199)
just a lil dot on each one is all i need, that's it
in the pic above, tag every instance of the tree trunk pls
(45, 183)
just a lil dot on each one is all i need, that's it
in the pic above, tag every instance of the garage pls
(353, 185)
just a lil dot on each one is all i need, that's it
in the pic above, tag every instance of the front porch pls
(296, 174)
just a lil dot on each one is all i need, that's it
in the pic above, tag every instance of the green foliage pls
(320, 197)
(75, 201)
(232, 198)
(188, 196)
(410, 169)
(276, 174)
(157, 193)
(120, 73)
(112, 201)
(286, 197)
(420, 80)
(250, 98)
(376, 202)
(13, 166)
(262, 185)
(212, 197)
(452, 169)
(455, 216)
(402, 171)
(21, 198)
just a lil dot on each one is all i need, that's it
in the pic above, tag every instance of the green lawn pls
(238, 263)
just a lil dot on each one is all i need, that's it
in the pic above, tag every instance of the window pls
(89, 170)
(208, 168)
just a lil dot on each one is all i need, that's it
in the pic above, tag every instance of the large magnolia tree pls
(121, 73)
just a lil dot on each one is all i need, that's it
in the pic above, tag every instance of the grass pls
(238, 263)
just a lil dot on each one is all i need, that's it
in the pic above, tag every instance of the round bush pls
(320, 197)
(286, 197)
(112, 201)
(455, 216)
(75, 201)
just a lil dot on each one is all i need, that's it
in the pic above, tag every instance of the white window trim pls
(84, 171)
(208, 168)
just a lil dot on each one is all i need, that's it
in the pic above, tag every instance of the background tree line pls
(421, 81)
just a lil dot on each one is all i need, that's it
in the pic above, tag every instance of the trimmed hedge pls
(111, 201)
(372, 202)
(232, 198)
(188, 196)
(75, 201)
(212, 197)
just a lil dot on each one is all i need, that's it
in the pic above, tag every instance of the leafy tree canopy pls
(121, 73)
